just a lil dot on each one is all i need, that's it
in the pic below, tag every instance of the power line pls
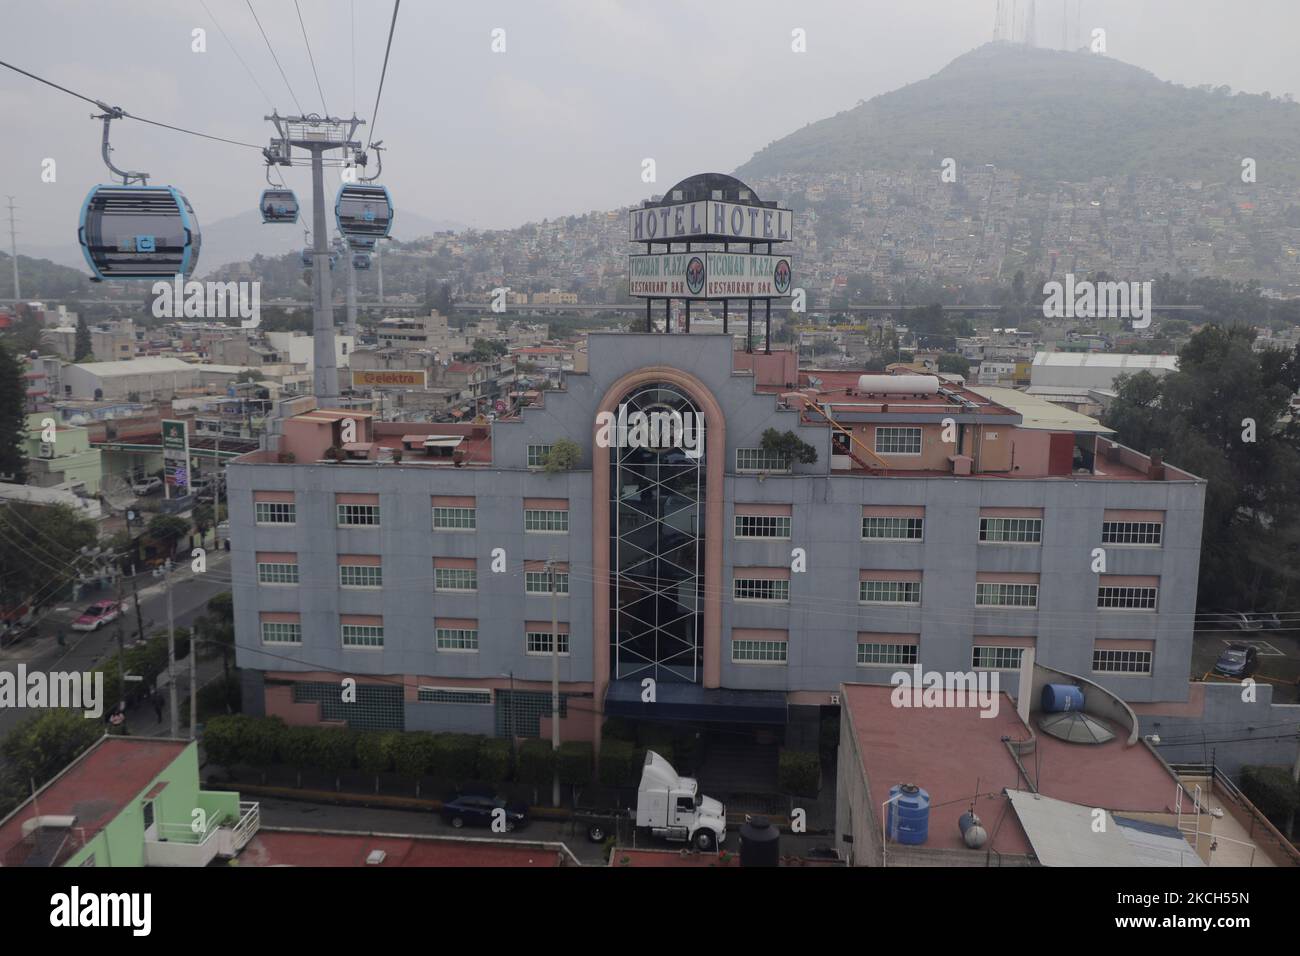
(311, 58)
(353, 8)
(235, 51)
(374, 114)
(125, 114)
(293, 96)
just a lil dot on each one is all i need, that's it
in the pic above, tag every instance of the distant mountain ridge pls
(1049, 115)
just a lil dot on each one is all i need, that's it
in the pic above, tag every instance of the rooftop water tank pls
(1061, 697)
(760, 843)
(908, 819)
(899, 384)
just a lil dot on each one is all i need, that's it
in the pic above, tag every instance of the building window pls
(1006, 595)
(885, 655)
(760, 459)
(892, 529)
(280, 632)
(537, 455)
(763, 526)
(760, 589)
(1012, 530)
(536, 582)
(361, 576)
(455, 519)
(457, 639)
(275, 512)
(363, 635)
(1121, 662)
(358, 516)
(889, 592)
(1127, 598)
(994, 658)
(748, 651)
(376, 707)
(269, 573)
(546, 522)
(455, 579)
(1131, 532)
(453, 695)
(898, 440)
(539, 642)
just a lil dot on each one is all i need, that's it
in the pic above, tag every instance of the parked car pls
(1237, 660)
(1226, 619)
(146, 486)
(97, 615)
(476, 810)
(1269, 620)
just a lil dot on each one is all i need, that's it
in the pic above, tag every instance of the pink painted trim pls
(889, 575)
(1011, 512)
(755, 509)
(355, 498)
(541, 565)
(367, 620)
(544, 627)
(470, 564)
(892, 511)
(453, 501)
(361, 560)
(870, 637)
(546, 504)
(1123, 644)
(986, 640)
(1004, 577)
(279, 497)
(277, 557)
(459, 623)
(763, 574)
(1128, 581)
(280, 617)
(759, 634)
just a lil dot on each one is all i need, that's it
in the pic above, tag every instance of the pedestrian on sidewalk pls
(157, 702)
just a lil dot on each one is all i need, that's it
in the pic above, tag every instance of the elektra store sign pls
(659, 429)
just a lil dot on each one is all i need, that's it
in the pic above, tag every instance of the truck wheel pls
(457, 822)
(704, 840)
(596, 833)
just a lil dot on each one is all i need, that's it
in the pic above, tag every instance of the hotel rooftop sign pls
(710, 220)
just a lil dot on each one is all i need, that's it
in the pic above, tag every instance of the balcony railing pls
(178, 844)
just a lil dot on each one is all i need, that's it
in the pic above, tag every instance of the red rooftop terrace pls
(987, 432)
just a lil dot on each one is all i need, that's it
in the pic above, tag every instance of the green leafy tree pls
(41, 746)
(167, 530)
(563, 456)
(1223, 416)
(83, 351)
(61, 531)
(789, 446)
(13, 425)
(954, 364)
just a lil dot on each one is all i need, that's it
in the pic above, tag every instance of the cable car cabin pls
(308, 258)
(139, 232)
(364, 211)
(279, 205)
(362, 243)
(360, 260)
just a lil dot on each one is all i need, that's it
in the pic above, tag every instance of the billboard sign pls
(709, 275)
(176, 456)
(710, 220)
(388, 378)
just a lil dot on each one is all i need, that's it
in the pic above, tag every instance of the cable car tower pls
(318, 135)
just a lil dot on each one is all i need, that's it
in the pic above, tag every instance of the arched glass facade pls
(657, 483)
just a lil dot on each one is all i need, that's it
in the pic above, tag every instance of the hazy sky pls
(557, 124)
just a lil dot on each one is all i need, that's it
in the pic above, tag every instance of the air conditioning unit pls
(47, 449)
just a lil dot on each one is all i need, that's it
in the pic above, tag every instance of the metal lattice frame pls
(670, 655)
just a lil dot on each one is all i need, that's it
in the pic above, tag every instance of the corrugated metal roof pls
(1070, 834)
(1117, 360)
(138, 366)
(1038, 413)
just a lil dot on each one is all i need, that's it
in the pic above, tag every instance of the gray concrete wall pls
(823, 616)
(1231, 733)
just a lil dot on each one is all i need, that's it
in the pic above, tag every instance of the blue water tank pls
(909, 814)
(1061, 697)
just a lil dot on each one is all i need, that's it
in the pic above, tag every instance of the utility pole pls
(555, 680)
(13, 249)
(220, 476)
(352, 292)
(379, 262)
(194, 679)
(165, 574)
(317, 135)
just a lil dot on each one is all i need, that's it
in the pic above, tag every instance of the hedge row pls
(263, 741)
(1272, 790)
(799, 773)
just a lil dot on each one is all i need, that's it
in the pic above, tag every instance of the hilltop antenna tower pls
(318, 135)
(13, 249)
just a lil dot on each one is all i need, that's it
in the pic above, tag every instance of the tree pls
(563, 456)
(167, 530)
(1220, 416)
(13, 425)
(83, 350)
(40, 550)
(954, 364)
(485, 350)
(789, 446)
(41, 746)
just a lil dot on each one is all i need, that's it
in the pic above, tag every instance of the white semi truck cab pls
(672, 807)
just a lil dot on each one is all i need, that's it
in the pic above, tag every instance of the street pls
(85, 650)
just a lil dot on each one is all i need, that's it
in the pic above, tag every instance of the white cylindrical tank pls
(899, 384)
